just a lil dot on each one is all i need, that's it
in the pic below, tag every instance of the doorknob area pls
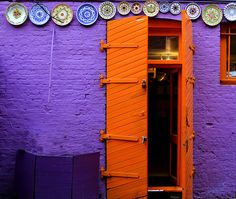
(144, 139)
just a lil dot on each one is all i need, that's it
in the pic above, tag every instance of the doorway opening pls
(163, 124)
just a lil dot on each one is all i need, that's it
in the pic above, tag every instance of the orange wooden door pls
(187, 108)
(126, 155)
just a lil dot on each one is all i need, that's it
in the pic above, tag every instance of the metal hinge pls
(103, 45)
(105, 173)
(105, 136)
(193, 171)
(193, 135)
(191, 80)
(192, 47)
(104, 81)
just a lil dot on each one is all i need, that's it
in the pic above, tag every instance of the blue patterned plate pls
(39, 14)
(87, 14)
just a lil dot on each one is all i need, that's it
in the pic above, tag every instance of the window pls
(228, 53)
(163, 48)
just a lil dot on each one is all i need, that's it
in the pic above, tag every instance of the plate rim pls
(62, 4)
(157, 6)
(26, 13)
(40, 24)
(81, 21)
(164, 2)
(217, 8)
(199, 8)
(103, 3)
(126, 2)
(175, 2)
(141, 6)
(226, 7)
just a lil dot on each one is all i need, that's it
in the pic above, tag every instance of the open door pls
(126, 129)
(187, 108)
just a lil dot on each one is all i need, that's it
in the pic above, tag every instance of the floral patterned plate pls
(136, 8)
(16, 14)
(107, 10)
(151, 8)
(193, 10)
(164, 7)
(175, 8)
(87, 14)
(123, 8)
(62, 14)
(230, 12)
(212, 15)
(39, 14)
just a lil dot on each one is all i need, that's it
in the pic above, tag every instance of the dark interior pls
(162, 108)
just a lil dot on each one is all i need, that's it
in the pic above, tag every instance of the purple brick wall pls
(214, 120)
(58, 108)
(63, 119)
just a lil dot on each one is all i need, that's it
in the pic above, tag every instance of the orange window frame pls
(225, 40)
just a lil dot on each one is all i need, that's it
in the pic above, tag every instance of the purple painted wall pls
(63, 119)
(59, 108)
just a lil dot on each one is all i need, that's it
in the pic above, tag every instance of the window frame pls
(225, 39)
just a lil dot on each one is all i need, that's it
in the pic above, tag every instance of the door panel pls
(187, 108)
(127, 107)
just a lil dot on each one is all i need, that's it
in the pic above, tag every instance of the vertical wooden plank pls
(127, 107)
(187, 109)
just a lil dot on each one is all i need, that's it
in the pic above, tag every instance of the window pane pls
(163, 48)
(233, 56)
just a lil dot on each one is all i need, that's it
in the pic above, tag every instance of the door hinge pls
(106, 136)
(193, 171)
(104, 81)
(105, 173)
(103, 45)
(192, 48)
(190, 80)
(193, 135)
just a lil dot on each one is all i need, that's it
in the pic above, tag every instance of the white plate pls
(230, 12)
(164, 7)
(175, 8)
(62, 14)
(87, 14)
(136, 8)
(151, 8)
(123, 8)
(193, 10)
(16, 14)
(212, 15)
(39, 14)
(107, 10)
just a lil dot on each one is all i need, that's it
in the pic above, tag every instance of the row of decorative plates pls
(87, 14)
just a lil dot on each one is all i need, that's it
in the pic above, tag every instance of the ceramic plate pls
(16, 14)
(230, 12)
(123, 8)
(107, 10)
(62, 14)
(39, 14)
(164, 7)
(136, 8)
(193, 10)
(212, 15)
(87, 14)
(175, 8)
(151, 8)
